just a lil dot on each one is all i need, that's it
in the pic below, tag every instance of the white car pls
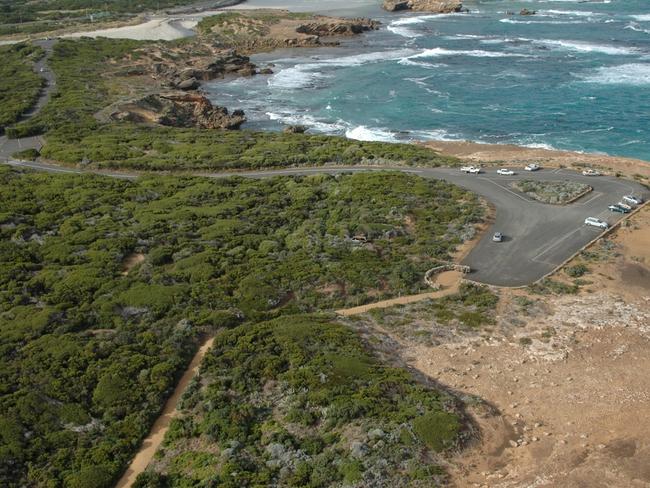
(505, 172)
(531, 167)
(471, 169)
(593, 221)
(497, 237)
(590, 172)
(624, 205)
(633, 200)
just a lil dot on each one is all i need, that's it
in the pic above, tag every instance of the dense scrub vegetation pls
(81, 88)
(299, 402)
(19, 84)
(554, 192)
(89, 353)
(170, 149)
(74, 136)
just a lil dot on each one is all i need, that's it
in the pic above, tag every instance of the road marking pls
(507, 189)
(555, 244)
(594, 196)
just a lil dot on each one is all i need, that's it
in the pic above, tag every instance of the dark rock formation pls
(225, 63)
(294, 129)
(434, 6)
(339, 28)
(179, 110)
(525, 11)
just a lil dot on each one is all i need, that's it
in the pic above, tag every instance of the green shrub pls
(577, 270)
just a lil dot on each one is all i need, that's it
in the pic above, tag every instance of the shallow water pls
(575, 76)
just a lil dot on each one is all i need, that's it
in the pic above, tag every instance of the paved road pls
(538, 237)
(11, 146)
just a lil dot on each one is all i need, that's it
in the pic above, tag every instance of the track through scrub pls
(157, 433)
(449, 280)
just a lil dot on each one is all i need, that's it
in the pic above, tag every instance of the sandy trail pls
(152, 442)
(449, 280)
(131, 262)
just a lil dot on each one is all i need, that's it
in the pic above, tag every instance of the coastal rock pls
(179, 110)
(433, 6)
(227, 62)
(525, 11)
(189, 84)
(338, 28)
(294, 129)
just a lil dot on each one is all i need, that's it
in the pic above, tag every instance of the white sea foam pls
(635, 27)
(636, 74)
(363, 133)
(294, 77)
(554, 22)
(421, 64)
(641, 18)
(479, 53)
(586, 47)
(307, 120)
(310, 74)
(572, 13)
(403, 31)
(538, 145)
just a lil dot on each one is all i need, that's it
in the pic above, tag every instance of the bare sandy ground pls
(160, 427)
(565, 377)
(162, 29)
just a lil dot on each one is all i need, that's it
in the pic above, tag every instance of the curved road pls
(11, 146)
(538, 237)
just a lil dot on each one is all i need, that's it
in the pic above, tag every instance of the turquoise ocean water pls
(575, 76)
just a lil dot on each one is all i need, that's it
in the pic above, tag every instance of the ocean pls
(575, 76)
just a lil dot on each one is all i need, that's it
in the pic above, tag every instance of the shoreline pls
(509, 154)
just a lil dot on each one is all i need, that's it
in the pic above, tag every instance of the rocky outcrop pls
(338, 28)
(179, 110)
(433, 6)
(525, 11)
(225, 63)
(294, 129)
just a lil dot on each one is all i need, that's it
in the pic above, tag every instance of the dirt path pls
(449, 280)
(152, 442)
(130, 262)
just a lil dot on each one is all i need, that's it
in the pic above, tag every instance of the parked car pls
(590, 172)
(532, 167)
(624, 205)
(633, 199)
(497, 237)
(593, 221)
(505, 172)
(470, 169)
(616, 208)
